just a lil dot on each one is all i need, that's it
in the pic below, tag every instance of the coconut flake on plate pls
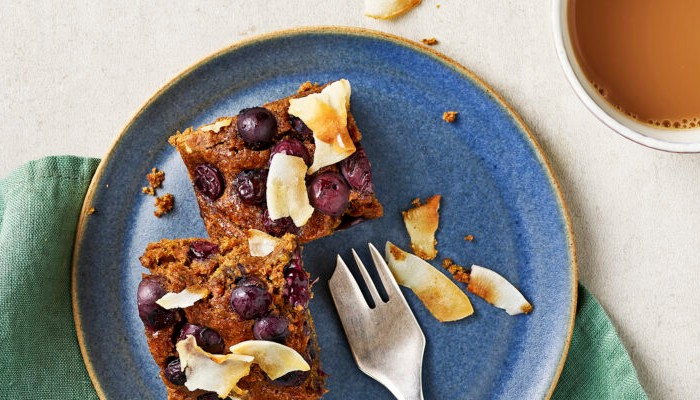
(286, 193)
(183, 299)
(421, 223)
(261, 243)
(445, 300)
(326, 114)
(212, 372)
(496, 290)
(274, 359)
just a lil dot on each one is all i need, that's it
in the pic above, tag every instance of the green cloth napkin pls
(39, 355)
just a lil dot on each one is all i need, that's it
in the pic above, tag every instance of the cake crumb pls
(458, 272)
(469, 238)
(164, 204)
(306, 86)
(91, 210)
(430, 41)
(155, 178)
(449, 116)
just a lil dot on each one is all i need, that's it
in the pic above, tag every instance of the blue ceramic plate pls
(494, 181)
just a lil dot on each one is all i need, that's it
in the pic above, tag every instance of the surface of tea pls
(643, 56)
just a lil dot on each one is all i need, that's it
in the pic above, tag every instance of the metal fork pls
(386, 340)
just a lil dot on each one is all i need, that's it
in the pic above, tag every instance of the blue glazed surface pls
(492, 177)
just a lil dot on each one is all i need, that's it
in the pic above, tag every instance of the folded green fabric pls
(39, 356)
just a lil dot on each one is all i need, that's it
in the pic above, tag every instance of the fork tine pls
(368, 280)
(390, 285)
(344, 289)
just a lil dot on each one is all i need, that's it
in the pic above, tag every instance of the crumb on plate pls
(91, 210)
(469, 238)
(458, 272)
(164, 204)
(449, 116)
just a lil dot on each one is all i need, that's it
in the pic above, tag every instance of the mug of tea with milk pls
(636, 65)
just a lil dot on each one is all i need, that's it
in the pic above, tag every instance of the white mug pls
(675, 140)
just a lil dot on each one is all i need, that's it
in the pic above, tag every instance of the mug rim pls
(567, 61)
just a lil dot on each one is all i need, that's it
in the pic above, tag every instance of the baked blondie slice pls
(229, 317)
(294, 165)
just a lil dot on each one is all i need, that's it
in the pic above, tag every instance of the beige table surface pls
(72, 74)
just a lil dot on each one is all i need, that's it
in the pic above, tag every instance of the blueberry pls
(207, 338)
(278, 227)
(300, 127)
(296, 287)
(294, 378)
(208, 396)
(208, 181)
(271, 328)
(257, 127)
(174, 373)
(153, 315)
(291, 147)
(157, 317)
(250, 281)
(251, 186)
(329, 193)
(357, 171)
(250, 302)
(149, 291)
(201, 249)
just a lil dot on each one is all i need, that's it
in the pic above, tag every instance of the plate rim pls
(324, 29)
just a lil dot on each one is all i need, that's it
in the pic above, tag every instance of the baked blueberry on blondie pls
(294, 165)
(229, 317)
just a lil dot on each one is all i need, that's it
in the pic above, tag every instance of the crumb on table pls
(91, 210)
(164, 204)
(458, 272)
(449, 116)
(469, 238)
(430, 41)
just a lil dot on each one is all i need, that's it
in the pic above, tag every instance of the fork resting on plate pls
(386, 340)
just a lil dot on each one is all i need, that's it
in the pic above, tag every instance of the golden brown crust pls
(170, 262)
(227, 216)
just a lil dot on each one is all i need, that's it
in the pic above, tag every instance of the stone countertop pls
(73, 73)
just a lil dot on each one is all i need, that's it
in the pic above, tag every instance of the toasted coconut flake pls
(496, 290)
(261, 243)
(213, 372)
(441, 296)
(386, 9)
(183, 299)
(216, 126)
(273, 358)
(326, 114)
(421, 223)
(286, 189)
